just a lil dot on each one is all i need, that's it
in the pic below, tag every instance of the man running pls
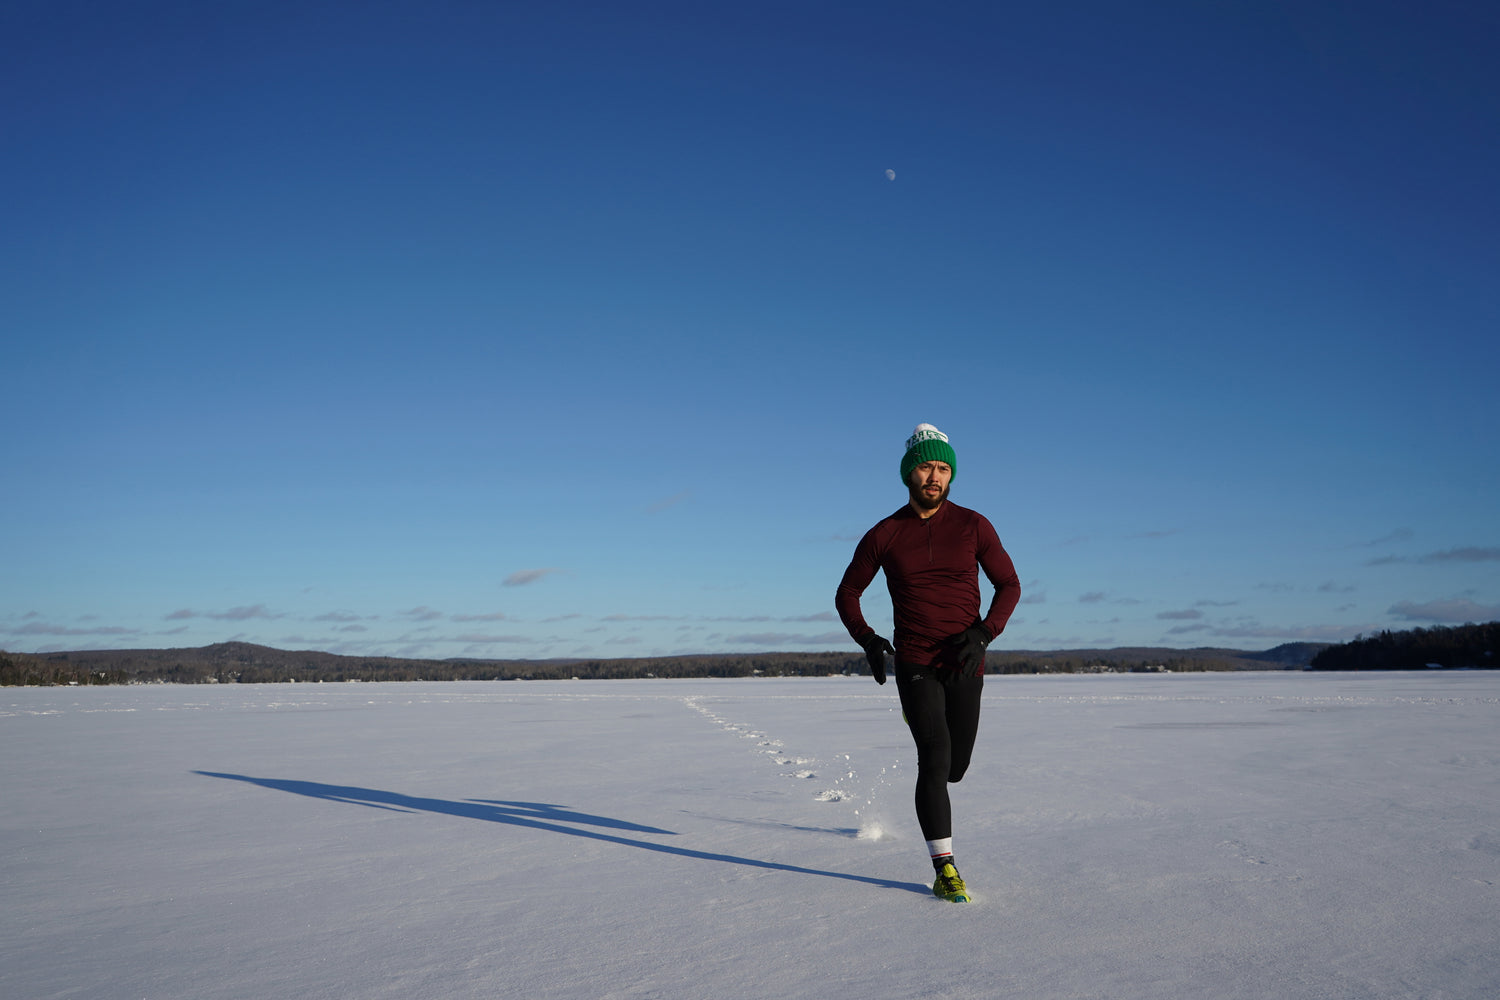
(929, 550)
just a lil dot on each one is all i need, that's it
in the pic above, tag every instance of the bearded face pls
(928, 485)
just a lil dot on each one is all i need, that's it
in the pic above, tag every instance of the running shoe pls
(950, 886)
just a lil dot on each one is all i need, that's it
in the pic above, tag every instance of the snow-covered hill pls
(1166, 836)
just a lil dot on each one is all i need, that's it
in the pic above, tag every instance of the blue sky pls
(472, 329)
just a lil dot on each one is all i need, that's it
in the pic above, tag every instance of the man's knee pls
(934, 757)
(958, 765)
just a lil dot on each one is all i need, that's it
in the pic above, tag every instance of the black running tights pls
(942, 711)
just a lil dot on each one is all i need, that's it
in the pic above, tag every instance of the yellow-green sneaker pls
(950, 886)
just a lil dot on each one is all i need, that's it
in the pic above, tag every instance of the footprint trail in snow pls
(846, 786)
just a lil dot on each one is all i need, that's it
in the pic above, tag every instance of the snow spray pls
(870, 824)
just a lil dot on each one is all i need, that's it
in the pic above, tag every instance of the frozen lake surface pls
(1279, 835)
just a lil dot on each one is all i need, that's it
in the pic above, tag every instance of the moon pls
(890, 175)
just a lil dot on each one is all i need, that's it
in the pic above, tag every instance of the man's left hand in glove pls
(971, 643)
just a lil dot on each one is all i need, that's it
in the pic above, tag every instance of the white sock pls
(939, 848)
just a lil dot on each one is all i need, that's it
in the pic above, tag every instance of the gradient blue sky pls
(536, 330)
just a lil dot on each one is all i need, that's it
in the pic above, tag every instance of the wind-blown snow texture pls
(1180, 836)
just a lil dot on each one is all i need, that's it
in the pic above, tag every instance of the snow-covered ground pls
(1286, 836)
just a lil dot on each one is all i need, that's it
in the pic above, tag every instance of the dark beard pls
(920, 499)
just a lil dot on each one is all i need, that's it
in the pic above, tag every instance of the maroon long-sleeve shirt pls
(932, 571)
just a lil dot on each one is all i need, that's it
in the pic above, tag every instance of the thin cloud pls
(1295, 633)
(494, 616)
(523, 577)
(1186, 615)
(818, 616)
(239, 614)
(1454, 611)
(1464, 554)
(1467, 554)
(338, 616)
(44, 628)
(762, 638)
(242, 613)
(671, 501)
(1398, 535)
(1100, 597)
(422, 613)
(784, 638)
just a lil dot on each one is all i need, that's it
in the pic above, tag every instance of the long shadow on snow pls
(536, 816)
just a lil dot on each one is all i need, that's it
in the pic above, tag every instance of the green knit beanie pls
(928, 444)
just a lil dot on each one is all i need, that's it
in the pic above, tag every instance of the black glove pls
(876, 650)
(970, 644)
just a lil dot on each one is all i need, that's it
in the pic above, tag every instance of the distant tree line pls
(245, 663)
(18, 669)
(1086, 662)
(1461, 646)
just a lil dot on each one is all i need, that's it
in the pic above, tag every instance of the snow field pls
(1179, 836)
